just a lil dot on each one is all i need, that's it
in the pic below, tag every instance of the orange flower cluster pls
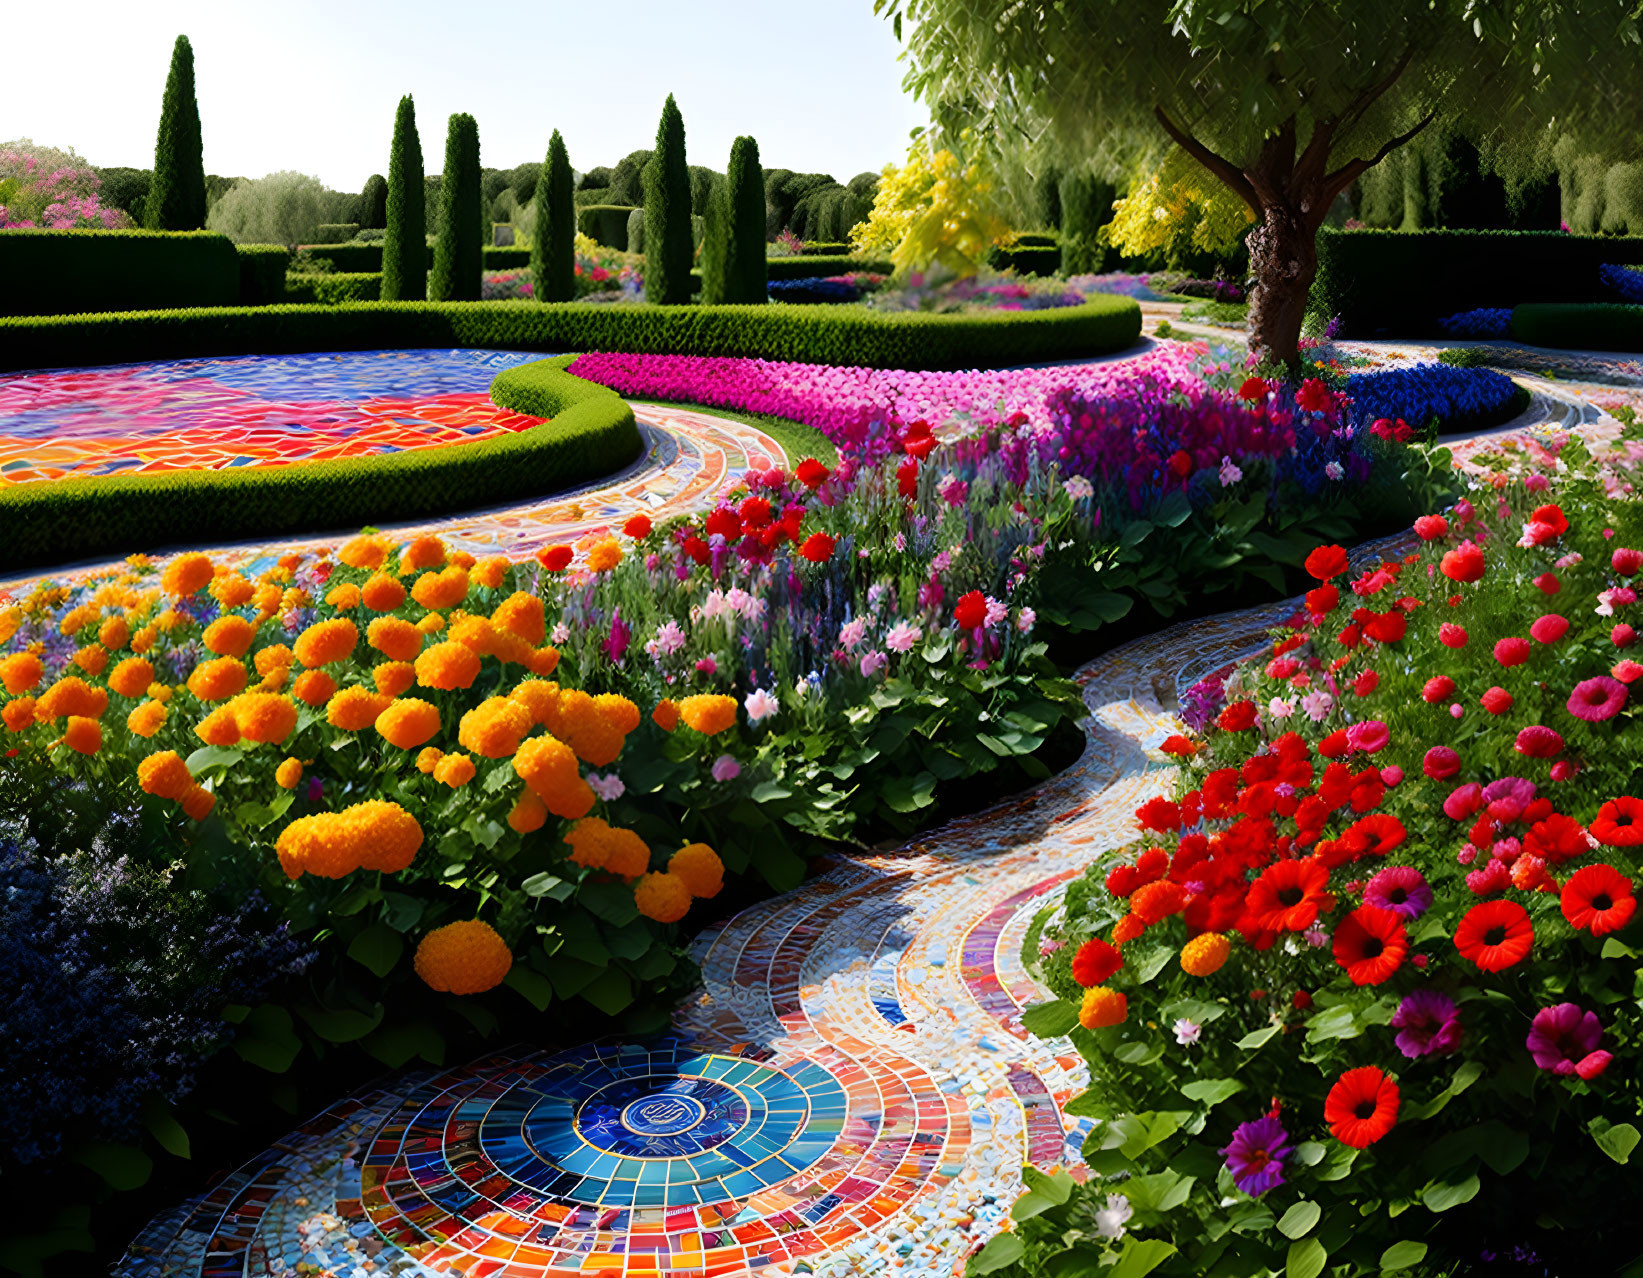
(374, 835)
(708, 713)
(469, 957)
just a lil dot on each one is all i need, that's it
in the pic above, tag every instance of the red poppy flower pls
(637, 527)
(1463, 564)
(811, 473)
(1626, 561)
(1095, 961)
(1288, 896)
(1548, 628)
(1619, 823)
(1252, 391)
(1386, 627)
(1623, 636)
(971, 610)
(1552, 517)
(1512, 651)
(1557, 838)
(1495, 935)
(1159, 814)
(1335, 744)
(1437, 689)
(755, 512)
(1366, 682)
(1452, 636)
(1177, 745)
(1440, 762)
(1322, 600)
(1370, 944)
(1598, 898)
(1538, 742)
(1431, 527)
(907, 477)
(818, 548)
(1497, 700)
(555, 558)
(723, 522)
(1548, 584)
(1326, 562)
(1238, 717)
(1362, 1107)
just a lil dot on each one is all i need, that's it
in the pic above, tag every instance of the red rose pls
(1463, 564)
(1314, 397)
(1552, 517)
(724, 522)
(818, 548)
(1431, 527)
(754, 511)
(970, 611)
(811, 473)
(1180, 463)
(1238, 717)
(1437, 689)
(1386, 627)
(1451, 635)
(1322, 600)
(1253, 391)
(1626, 561)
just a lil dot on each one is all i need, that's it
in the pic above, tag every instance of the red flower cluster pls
(771, 516)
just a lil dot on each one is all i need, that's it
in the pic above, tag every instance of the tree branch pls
(1368, 98)
(1349, 172)
(1225, 169)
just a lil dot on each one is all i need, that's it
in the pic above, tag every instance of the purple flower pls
(616, 646)
(1401, 889)
(1428, 1022)
(1256, 1155)
(1565, 1040)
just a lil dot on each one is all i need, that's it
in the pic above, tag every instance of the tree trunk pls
(1283, 258)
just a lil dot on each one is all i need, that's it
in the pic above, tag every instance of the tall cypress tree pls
(373, 203)
(718, 281)
(745, 179)
(553, 251)
(405, 238)
(459, 253)
(176, 200)
(669, 245)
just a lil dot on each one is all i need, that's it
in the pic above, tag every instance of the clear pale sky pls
(296, 84)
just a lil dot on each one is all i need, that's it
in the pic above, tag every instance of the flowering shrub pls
(983, 291)
(43, 187)
(934, 210)
(1364, 996)
(503, 286)
(1625, 280)
(1487, 322)
(1460, 398)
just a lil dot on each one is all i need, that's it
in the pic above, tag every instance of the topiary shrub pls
(45, 272)
(733, 252)
(553, 250)
(176, 198)
(636, 231)
(459, 251)
(262, 273)
(404, 255)
(373, 203)
(669, 249)
(606, 223)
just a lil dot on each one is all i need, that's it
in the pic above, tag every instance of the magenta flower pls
(1401, 889)
(726, 768)
(1565, 1040)
(1427, 1022)
(616, 646)
(1538, 742)
(1256, 1155)
(1595, 700)
(1369, 737)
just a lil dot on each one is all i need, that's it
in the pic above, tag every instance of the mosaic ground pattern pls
(260, 410)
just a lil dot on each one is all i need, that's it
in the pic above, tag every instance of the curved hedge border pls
(805, 334)
(1594, 326)
(591, 433)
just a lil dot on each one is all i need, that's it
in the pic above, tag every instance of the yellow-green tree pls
(935, 209)
(1178, 203)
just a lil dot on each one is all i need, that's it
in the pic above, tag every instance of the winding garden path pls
(850, 1093)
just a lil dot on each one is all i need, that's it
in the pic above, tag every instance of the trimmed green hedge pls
(605, 223)
(506, 258)
(333, 289)
(360, 258)
(45, 272)
(808, 334)
(1596, 326)
(1027, 259)
(802, 268)
(591, 434)
(262, 273)
(1403, 282)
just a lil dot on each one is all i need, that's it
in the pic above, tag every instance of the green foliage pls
(125, 189)
(404, 253)
(335, 232)
(458, 253)
(733, 254)
(627, 179)
(1598, 326)
(636, 231)
(373, 203)
(176, 198)
(803, 267)
(1085, 206)
(1047, 197)
(1465, 356)
(701, 188)
(262, 273)
(553, 248)
(592, 433)
(605, 224)
(62, 272)
(1404, 282)
(333, 287)
(595, 179)
(282, 208)
(1027, 259)
(669, 251)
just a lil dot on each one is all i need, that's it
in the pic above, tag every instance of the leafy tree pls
(404, 242)
(176, 198)
(627, 179)
(282, 208)
(459, 252)
(1287, 102)
(733, 252)
(598, 179)
(933, 210)
(373, 203)
(553, 247)
(522, 182)
(669, 249)
(126, 189)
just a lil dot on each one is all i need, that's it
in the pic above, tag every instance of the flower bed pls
(1364, 997)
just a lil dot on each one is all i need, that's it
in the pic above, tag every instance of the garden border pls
(1593, 326)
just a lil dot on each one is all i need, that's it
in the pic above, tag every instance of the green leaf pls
(267, 1039)
(163, 1126)
(1002, 1250)
(1140, 1132)
(1141, 1256)
(1306, 1259)
(340, 1026)
(1442, 1195)
(394, 1045)
(1173, 511)
(1401, 1255)
(1616, 1141)
(610, 991)
(779, 867)
(1211, 1091)
(377, 948)
(612, 902)
(1309, 1153)
(1257, 1038)
(1613, 948)
(1299, 1219)
(549, 885)
(769, 792)
(124, 1167)
(1050, 1020)
(536, 989)
(1057, 1186)
(213, 757)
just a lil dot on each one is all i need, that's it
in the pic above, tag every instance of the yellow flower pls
(219, 728)
(314, 687)
(288, 774)
(469, 957)
(198, 802)
(393, 677)
(114, 633)
(70, 695)
(529, 813)
(395, 638)
(494, 727)
(326, 641)
(364, 552)
(21, 671)
(93, 659)
(146, 719)
(232, 590)
(490, 572)
(1102, 1007)
(274, 657)
(425, 552)
(548, 766)
(1204, 954)
(408, 722)
(382, 593)
(343, 597)
(522, 614)
(18, 714)
(443, 589)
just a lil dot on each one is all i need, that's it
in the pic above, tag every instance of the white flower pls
(1187, 1032)
(1109, 1220)
(760, 705)
(607, 788)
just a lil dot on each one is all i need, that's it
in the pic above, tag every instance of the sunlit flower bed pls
(1364, 995)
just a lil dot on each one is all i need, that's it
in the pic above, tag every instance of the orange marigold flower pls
(382, 593)
(708, 713)
(604, 555)
(699, 868)
(455, 770)
(93, 659)
(219, 728)
(393, 677)
(131, 677)
(165, 775)
(587, 840)
(663, 897)
(529, 814)
(582, 724)
(364, 552)
(1205, 954)
(374, 835)
(264, 716)
(314, 687)
(1102, 1007)
(355, 709)
(1154, 902)
(443, 589)
(446, 666)
(288, 774)
(428, 758)
(490, 572)
(540, 699)
(343, 597)
(618, 711)
(548, 766)
(666, 714)
(114, 633)
(1127, 929)
(543, 661)
(70, 695)
(159, 692)
(275, 657)
(426, 551)
(462, 559)
(198, 802)
(469, 957)
(232, 590)
(522, 614)
(431, 623)
(219, 679)
(229, 636)
(144, 639)
(494, 727)
(395, 638)
(408, 722)
(626, 854)
(268, 601)
(146, 719)
(82, 735)
(19, 714)
(187, 574)
(21, 671)
(326, 641)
